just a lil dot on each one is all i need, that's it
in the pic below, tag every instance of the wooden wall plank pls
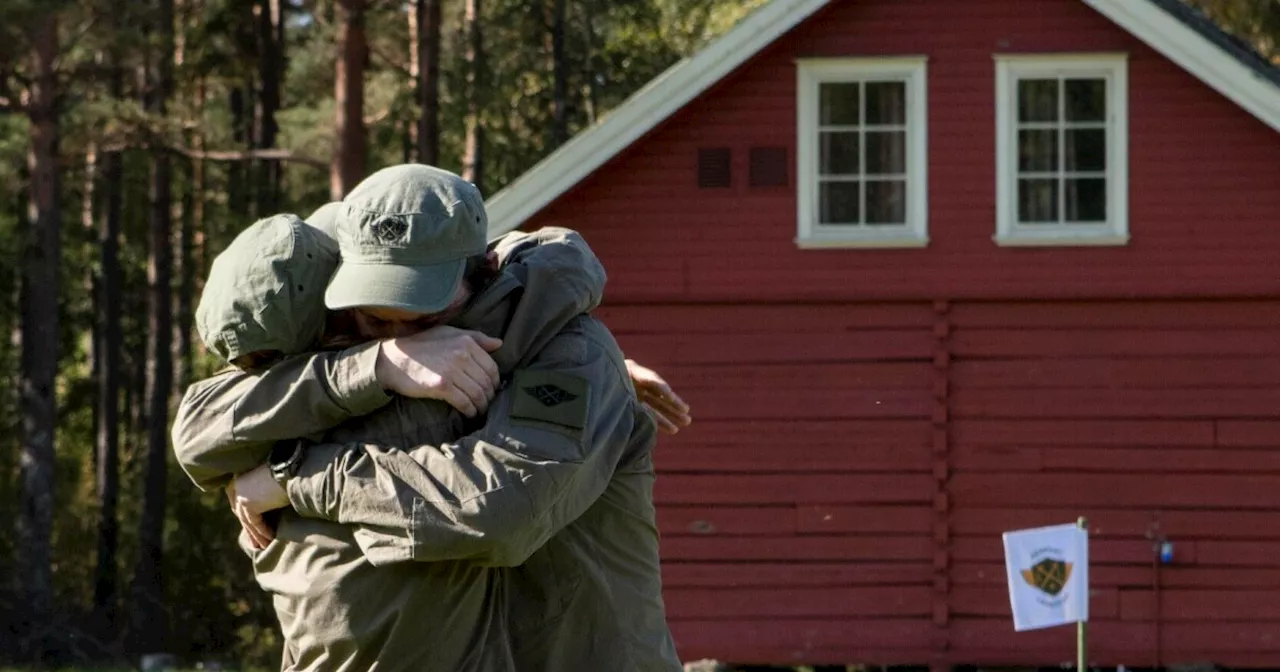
(1183, 605)
(778, 574)
(1109, 403)
(796, 456)
(999, 459)
(793, 438)
(802, 548)
(815, 403)
(793, 489)
(1110, 373)
(863, 602)
(1224, 523)
(803, 319)
(1114, 490)
(835, 519)
(1248, 433)
(1180, 315)
(744, 349)
(726, 520)
(1146, 343)
(798, 636)
(1085, 432)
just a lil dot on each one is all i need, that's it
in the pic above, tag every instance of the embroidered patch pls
(388, 230)
(551, 396)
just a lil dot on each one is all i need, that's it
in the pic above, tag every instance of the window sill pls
(884, 242)
(1066, 239)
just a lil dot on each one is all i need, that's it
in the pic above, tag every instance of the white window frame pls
(811, 74)
(1113, 69)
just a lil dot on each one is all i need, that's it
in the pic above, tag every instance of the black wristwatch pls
(286, 458)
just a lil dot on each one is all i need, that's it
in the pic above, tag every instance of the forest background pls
(137, 137)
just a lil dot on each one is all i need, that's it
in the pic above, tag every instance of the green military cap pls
(325, 220)
(405, 235)
(266, 290)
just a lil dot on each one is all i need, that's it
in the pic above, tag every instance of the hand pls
(445, 363)
(667, 408)
(252, 494)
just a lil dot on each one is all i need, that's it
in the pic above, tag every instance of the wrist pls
(385, 369)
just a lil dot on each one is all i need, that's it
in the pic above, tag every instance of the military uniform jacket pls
(418, 542)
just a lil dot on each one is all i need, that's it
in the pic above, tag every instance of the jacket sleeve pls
(549, 448)
(226, 424)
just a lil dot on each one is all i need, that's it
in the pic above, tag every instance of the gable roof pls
(1241, 50)
(1170, 27)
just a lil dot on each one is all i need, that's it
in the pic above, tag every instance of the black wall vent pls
(768, 167)
(713, 168)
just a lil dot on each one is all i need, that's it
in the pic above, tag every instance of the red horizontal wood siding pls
(859, 446)
(1115, 411)
(794, 501)
(1202, 176)
(805, 497)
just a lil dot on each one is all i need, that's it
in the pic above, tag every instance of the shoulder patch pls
(550, 396)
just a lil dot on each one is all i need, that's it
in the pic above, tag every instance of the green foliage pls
(214, 607)
(611, 49)
(1257, 22)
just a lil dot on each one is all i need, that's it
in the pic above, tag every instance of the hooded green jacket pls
(419, 540)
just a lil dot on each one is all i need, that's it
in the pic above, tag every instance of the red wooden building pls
(930, 270)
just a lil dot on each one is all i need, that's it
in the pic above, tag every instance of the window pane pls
(1038, 151)
(1086, 149)
(1037, 100)
(1086, 200)
(838, 153)
(1037, 201)
(1086, 99)
(886, 153)
(838, 203)
(838, 103)
(887, 202)
(886, 102)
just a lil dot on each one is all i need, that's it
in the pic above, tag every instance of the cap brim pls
(421, 289)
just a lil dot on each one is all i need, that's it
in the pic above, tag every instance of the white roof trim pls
(640, 113)
(684, 81)
(1197, 55)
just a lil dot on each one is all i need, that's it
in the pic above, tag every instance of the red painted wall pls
(841, 494)
(869, 421)
(1204, 176)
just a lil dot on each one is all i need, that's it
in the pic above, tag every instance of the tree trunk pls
(107, 448)
(427, 82)
(559, 75)
(473, 152)
(237, 187)
(148, 582)
(184, 317)
(107, 440)
(39, 311)
(199, 239)
(88, 192)
(182, 213)
(270, 74)
(349, 150)
(589, 65)
(411, 134)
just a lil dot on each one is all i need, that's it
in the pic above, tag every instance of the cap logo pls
(388, 230)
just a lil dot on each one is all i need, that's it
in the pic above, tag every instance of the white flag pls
(1048, 570)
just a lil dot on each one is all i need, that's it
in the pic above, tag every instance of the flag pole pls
(1082, 634)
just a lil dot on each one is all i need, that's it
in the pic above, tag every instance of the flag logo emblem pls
(1050, 576)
